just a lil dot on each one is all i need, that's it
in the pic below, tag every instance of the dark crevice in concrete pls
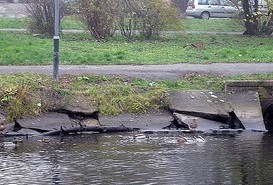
(234, 122)
(79, 115)
(231, 121)
(219, 118)
(267, 110)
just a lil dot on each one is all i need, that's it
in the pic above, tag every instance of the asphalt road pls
(157, 72)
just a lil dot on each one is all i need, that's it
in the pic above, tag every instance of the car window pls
(191, 2)
(225, 3)
(213, 2)
(203, 2)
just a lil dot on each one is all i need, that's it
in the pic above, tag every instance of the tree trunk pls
(251, 23)
(181, 5)
(269, 27)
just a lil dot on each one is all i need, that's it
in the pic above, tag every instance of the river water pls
(120, 159)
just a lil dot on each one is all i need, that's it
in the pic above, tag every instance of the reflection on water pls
(119, 159)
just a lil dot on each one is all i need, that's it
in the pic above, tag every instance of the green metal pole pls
(56, 39)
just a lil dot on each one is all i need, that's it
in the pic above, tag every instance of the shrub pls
(127, 18)
(158, 15)
(150, 17)
(99, 16)
(42, 15)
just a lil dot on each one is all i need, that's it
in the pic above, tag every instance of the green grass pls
(214, 25)
(190, 24)
(7, 22)
(19, 48)
(72, 22)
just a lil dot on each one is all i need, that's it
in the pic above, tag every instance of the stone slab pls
(47, 122)
(80, 105)
(247, 85)
(246, 105)
(248, 109)
(28, 132)
(90, 122)
(200, 102)
(203, 125)
(155, 120)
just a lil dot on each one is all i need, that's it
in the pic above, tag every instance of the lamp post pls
(56, 39)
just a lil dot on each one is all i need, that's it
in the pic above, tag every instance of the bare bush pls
(72, 7)
(156, 15)
(150, 17)
(42, 15)
(127, 18)
(99, 16)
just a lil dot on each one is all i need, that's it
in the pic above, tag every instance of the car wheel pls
(205, 15)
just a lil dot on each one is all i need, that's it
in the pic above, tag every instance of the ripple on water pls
(119, 159)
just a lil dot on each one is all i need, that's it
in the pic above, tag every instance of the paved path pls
(157, 72)
(12, 10)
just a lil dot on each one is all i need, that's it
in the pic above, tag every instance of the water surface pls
(119, 159)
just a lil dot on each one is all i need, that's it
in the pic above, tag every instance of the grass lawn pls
(18, 48)
(189, 24)
(213, 25)
(8, 22)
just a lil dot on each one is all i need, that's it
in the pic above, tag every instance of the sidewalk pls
(16, 10)
(152, 72)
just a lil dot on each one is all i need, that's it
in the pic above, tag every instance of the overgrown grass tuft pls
(19, 94)
(116, 95)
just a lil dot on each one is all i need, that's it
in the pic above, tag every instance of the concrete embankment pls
(190, 111)
(238, 107)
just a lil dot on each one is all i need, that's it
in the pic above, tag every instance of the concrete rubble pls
(210, 111)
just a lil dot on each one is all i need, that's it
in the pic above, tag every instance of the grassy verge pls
(214, 25)
(8, 22)
(22, 48)
(72, 22)
(32, 94)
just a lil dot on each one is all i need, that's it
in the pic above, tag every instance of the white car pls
(205, 9)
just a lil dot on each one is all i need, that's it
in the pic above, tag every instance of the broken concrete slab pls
(219, 106)
(203, 125)
(47, 122)
(206, 104)
(248, 85)
(79, 106)
(90, 122)
(250, 113)
(154, 120)
(248, 109)
(25, 131)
